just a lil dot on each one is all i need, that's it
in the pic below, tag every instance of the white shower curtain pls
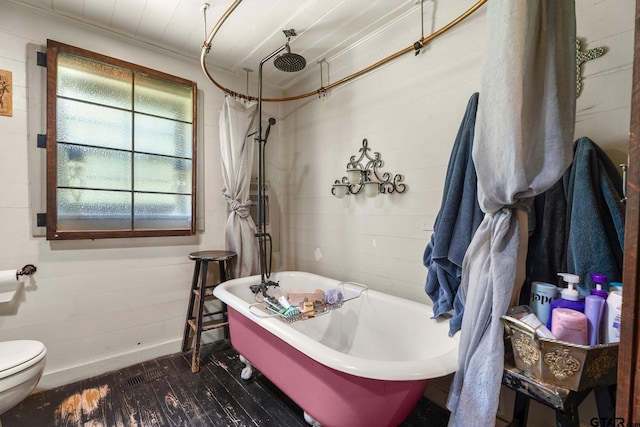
(522, 146)
(237, 121)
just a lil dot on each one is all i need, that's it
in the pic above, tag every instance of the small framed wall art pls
(6, 94)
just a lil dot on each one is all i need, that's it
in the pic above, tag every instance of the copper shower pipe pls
(206, 47)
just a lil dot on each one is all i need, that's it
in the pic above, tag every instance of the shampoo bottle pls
(615, 286)
(600, 280)
(593, 309)
(569, 298)
(613, 316)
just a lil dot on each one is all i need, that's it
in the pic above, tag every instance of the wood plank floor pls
(164, 393)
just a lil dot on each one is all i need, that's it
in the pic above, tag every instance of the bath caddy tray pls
(350, 290)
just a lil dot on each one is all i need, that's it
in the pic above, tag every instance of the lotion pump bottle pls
(599, 280)
(569, 297)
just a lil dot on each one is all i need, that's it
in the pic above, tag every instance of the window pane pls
(162, 174)
(93, 81)
(162, 136)
(93, 210)
(163, 98)
(90, 167)
(162, 211)
(89, 124)
(122, 134)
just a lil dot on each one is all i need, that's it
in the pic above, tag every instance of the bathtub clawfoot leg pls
(247, 371)
(310, 420)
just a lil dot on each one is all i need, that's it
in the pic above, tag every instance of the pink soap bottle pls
(570, 326)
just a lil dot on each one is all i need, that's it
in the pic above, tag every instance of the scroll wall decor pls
(362, 172)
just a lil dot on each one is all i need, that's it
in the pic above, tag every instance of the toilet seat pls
(18, 355)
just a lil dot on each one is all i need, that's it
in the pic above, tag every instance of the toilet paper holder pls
(27, 270)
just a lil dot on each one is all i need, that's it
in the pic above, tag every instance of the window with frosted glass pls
(120, 148)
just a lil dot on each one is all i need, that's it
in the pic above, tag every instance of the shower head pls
(272, 122)
(289, 62)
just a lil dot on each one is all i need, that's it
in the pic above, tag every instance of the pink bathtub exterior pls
(337, 388)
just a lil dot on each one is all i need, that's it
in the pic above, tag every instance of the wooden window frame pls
(53, 48)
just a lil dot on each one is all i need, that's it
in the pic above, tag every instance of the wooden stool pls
(199, 291)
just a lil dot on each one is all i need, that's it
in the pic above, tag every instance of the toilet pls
(21, 366)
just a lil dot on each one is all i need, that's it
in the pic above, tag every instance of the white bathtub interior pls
(373, 334)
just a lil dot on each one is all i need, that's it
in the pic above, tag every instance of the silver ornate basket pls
(572, 366)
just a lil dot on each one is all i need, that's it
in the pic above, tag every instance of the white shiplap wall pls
(410, 111)
(104, 304)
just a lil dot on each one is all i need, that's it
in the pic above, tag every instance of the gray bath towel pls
(457, 221)
(522, 146)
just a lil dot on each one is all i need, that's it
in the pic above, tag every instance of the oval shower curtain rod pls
(206, 47)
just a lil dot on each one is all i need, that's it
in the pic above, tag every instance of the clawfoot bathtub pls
(364, 364)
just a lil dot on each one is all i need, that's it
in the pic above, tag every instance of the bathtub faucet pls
(263, 287)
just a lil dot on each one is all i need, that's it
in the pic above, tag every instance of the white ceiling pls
(325, 28)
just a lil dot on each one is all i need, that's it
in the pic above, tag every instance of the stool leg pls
(195, 358)
(568, 418)
(192, 296)
(520, 410)
(228, 265)
(606, 401)
(226, 272)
